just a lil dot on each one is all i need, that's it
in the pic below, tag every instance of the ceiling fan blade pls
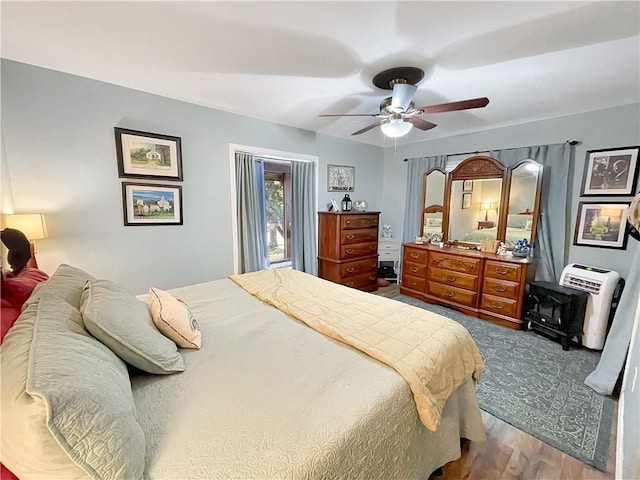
(452, 106)
(348, 115)
(420, 123)
(366, 129)
(402, 96)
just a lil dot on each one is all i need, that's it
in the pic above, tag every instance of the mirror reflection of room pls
(474, 209)
(522, 203)
(434, 184)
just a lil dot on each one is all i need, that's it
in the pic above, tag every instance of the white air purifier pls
(601, 285)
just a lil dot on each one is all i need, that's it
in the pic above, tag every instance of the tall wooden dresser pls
(479, 284)
(348, 248)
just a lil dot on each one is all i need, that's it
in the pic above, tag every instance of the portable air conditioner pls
(601, 284)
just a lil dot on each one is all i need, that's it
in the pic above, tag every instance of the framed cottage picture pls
(602, 225)
(466, 200)
(341, 178)
(149, 204)
(610, 172)
(148, 155)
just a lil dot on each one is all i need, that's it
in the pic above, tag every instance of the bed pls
(266, 396)
(518, 228)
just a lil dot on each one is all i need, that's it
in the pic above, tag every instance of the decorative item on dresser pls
(480, 284)
(348, 248)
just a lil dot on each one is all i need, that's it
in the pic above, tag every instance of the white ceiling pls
(287, 62)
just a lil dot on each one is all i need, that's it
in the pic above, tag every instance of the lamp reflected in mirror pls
(486, 206)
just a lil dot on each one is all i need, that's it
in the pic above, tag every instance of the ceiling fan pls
(398, 113)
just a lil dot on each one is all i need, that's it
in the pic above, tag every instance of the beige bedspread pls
(434, 354)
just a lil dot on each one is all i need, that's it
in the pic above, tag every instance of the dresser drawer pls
(366, 281)
(500, 305)
(502, 288)
(415, 256)
(358, 250)
(455, 263)
(359, 267)
(414, 283)
(506, 271)
(359, 221)
(453, 294)
(415, 269)
(457, 279)
(348, 237)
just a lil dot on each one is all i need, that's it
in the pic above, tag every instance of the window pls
(277, 188)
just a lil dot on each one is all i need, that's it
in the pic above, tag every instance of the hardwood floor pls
(510, 454)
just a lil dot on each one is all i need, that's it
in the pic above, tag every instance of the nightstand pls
(484, 224)
(389, 251)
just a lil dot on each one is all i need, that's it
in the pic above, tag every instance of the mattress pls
(268, 397)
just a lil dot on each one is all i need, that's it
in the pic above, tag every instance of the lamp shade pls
(31, 224)
(396, 128)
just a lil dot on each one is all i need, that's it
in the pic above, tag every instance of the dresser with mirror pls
(477, 204)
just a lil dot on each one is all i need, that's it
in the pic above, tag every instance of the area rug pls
(534, 385)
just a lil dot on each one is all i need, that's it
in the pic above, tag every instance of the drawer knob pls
(372, 277)
(349, 251)
(449, 294)
(373, 264)
(349, 284)
(497, 305)
(414, 255)
(413, 269)
(351, 236)
(502, 271)
(351, 269)
(412, 283)
(499, 288)
(450, 278)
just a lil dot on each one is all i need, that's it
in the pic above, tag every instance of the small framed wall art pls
(151, 204)
(467, 186)
(341, 178)
(148, 155)
(602, 225)
(610, 172)
(466, 200)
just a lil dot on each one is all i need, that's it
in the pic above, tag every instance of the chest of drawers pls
(348, 248)
(479, 284)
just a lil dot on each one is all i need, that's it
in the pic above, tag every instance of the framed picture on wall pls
(602, 225)
(466, 200)
(148, 155)
(467, 186)
(612, 171)
(150, 204)
(341, 178)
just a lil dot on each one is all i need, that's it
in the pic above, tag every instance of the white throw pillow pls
(174, 319)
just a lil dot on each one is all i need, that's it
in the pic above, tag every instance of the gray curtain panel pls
(552, 233)
(417, 167)
(303, 211)
(252, 235)
(603, 379)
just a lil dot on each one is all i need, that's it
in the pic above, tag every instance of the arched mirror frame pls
(476, 168)
(433, 208)
(536, 200)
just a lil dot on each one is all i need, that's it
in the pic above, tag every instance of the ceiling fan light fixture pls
(396, 128)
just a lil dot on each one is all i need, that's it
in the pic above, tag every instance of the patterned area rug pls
(532, 384)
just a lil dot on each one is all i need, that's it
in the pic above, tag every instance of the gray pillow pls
(66, 283)
(123, 323)
(89, 404)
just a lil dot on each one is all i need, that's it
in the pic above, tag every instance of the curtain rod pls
(570, 142)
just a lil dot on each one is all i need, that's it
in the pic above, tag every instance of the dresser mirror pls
(524, 199)
(473, 209)
(433, 185)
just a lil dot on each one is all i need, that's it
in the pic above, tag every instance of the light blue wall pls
(60, 151)
(614, 127)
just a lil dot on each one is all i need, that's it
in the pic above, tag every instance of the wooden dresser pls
(479, 284)
(348, 248)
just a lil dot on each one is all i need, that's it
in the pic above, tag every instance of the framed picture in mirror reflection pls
(467, 186)
(466, 200)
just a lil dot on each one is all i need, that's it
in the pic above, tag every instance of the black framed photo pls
(467, 186)
(466, 200)
(151, 204)
(602, 225)
(610, 172)
(148, 155)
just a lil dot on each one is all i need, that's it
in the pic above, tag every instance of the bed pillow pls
(118, 319)
(82, 427)
(433, 222)
(66, 283)
(515, 220)
(15, 292)
(528, 224)
(174, 319)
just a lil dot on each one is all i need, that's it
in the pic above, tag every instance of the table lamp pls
(32, 225)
